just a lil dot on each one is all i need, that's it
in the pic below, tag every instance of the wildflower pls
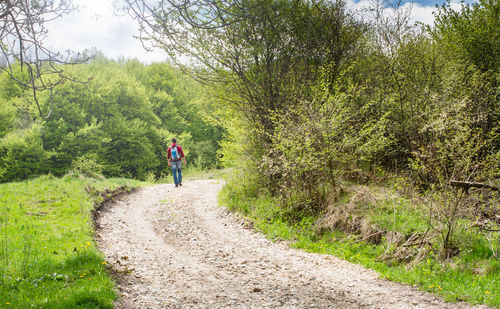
(88, 244)
(487, 292)
(104, 263)
(7, 303)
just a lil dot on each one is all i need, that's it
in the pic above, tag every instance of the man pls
(174, 157)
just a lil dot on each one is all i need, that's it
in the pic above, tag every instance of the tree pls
(470, 41)
(258, 50)
(22, 33)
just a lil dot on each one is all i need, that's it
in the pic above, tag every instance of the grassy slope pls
(473, 276)
(48, 257)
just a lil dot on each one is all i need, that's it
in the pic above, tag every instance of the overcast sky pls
(94, 25)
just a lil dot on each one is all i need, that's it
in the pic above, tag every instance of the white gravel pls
(176, 248)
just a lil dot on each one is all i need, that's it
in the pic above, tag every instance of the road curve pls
(176, 248)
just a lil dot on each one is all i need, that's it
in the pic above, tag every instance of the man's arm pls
(183, 157)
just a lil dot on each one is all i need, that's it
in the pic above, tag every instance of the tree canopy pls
(119, 122)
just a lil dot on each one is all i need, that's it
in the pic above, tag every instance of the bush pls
(88, 165)
(22, 155)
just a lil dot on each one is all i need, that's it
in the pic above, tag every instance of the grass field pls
(48, 258)
(472, 276)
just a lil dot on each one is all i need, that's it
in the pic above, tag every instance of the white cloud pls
(423, 14)
(420, 13)
(94, 25)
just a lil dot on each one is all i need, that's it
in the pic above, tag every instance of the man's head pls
(174, 141)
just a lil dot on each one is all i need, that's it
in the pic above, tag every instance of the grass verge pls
(472, 276)
(48, 258)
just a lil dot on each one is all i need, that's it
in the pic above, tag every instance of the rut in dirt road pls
(175, 248)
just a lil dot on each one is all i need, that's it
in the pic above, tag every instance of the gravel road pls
(176, 248)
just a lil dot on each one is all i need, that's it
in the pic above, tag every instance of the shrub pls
(22, 154)
(88, 165)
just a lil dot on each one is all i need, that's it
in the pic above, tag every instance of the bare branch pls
(467, 184)
(22, 32)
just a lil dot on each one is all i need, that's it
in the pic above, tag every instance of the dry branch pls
(467, 184)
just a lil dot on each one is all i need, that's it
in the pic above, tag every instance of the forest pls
(117, 120)
(354, 133)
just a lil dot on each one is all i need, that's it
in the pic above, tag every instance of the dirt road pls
(175, 248)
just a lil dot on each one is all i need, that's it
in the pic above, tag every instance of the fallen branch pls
(467, 184)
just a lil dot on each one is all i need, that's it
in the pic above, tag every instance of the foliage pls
(420, 102)
(122, 120)
(470, 34)
(471, 276)
(48, 257)
(256, 51)
(22, 154)
(413, 100)
(7, 117)
(87, 165)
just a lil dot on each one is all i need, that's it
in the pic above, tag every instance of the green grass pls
(472, 276)
(397, 214)
(48, 257)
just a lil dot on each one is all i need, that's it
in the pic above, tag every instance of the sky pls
(95, 25)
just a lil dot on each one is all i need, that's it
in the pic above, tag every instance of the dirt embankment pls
(175, 248)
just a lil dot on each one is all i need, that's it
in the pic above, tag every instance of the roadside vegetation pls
(381, 229)
(48, 257)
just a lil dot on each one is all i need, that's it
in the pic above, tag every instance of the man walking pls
(174, 157)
